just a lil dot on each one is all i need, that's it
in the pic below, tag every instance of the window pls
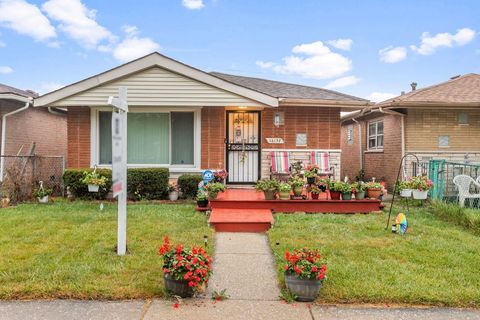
(375, 135)
(152, 138)
(443, 141)
(301, 140)
(463, 118)
(350, 134)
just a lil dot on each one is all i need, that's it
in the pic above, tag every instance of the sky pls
(370, 49)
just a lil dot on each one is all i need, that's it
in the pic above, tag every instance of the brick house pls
(22, 125)
(437, 122)
(189, 120)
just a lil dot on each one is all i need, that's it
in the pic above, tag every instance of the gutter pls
(4, 133)
(321, 103)
(56, 112)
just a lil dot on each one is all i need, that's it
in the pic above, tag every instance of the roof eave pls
(430, 104)
(349, 104)
(13, 96)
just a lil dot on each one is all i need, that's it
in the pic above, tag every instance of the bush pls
(147, 183)
(188, 184)
(142, 183)
(73, 178)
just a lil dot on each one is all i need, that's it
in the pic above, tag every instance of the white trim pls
(376, 122)
(149, 61)
(442, 151)
(95, 137)
(304, 150)
(13, 96)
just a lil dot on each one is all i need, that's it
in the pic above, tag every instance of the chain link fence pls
(21, 175)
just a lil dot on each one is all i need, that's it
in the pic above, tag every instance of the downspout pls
(4, 135)
(360, 146)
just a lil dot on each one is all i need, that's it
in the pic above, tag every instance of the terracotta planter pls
(173, 195)
(93, 188)
(374, 193)
(420, 195)
(297, 191)
(284, 195)
(360, 195)
(406, 193)
(335, 195)
(202, 203)
(177, 287)
(269, 194)
(305, 289)
(346, 196)
(315, 196)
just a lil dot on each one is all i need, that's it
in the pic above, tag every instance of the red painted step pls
(241, 220)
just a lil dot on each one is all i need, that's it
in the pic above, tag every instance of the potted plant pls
(297, 186)
(359, 188)
(220, 176)
(94, 180)
(269, 188)
(173, 192)
(346, 189)
(202, 198)
(405, 188)
(184, 270)
(323, 184)
(374, 189)
(213, 188)
(42, 194)
(315, 191)
(336, 189)
(311, 173)
(304, 273)
(420, 186)
(284, 191)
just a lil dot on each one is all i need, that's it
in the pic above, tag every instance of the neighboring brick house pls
(189, 120)
(22, 125)
(437, 122)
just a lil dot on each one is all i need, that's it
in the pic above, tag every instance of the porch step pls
(241, 220)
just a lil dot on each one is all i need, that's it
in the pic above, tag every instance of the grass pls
(469, 219)
(436, 263)
(66, 250)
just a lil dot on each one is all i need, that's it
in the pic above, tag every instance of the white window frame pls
(376, 135)
(95, 138)
(350, 134)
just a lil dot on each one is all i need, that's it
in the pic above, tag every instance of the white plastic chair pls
(463, 184)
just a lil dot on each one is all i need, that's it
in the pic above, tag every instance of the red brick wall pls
(48, 131)
(322, 126)
(78, 137)
(213, 138)
(350, 161)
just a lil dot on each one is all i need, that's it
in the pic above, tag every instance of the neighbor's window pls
(375, 135)
(152, 138)
(350, 134)
(443, 141)
(463, 118)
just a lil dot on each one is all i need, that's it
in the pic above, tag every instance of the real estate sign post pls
(119, 163)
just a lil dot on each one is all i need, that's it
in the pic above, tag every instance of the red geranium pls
(306, 264)
(191, 265)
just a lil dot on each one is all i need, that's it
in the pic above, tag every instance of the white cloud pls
(264, 65)
(393, 54)
(132, 46)
(193, 4)
(77, 21)
(342, 44)
(46, 87)
(380, 96)
(430, 43)
(26, 19)
(312, 60)
(342, 82)
(5, 70)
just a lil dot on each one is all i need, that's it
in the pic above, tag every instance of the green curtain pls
(182, 137)
(105, 124)
(148, 138)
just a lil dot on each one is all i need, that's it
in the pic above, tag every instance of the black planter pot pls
(177, 287)
(202, 203)
(305, 289)
(323, 188)
(311, 180)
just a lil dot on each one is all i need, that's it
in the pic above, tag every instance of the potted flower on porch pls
(420, 186)
(94, 180)
(304, 273)
(269, 187)
(297, 186)
(184, 270)
(311, 173)
(374, 189)
(338, 188)
(405, 188)
(284, 190)
(315, 191)
(202, 198)
(213, 189)
(359, 189)
(173, 192)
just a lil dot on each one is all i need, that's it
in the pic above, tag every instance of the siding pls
(423, 127)
(158, 87)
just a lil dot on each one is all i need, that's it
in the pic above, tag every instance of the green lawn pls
(436, 263)
(66, 250)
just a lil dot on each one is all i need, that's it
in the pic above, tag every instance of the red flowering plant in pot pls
(305, 271)
(184, 270)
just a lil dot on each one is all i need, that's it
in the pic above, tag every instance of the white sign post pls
(119, 164)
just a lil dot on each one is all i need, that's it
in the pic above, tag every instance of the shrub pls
(72, 178)
(188, 184)
(147, 183)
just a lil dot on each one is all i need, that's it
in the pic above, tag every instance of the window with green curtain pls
(182, 137)
(148, 138)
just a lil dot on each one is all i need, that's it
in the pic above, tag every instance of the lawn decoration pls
(401, 222)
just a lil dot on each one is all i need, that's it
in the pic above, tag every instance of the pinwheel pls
(401, 222)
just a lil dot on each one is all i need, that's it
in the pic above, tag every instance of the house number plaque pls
(274, 140)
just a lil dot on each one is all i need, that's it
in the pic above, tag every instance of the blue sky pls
(365, 48)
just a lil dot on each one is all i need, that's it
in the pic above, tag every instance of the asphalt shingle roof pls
(279, 89)
(24, 93)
